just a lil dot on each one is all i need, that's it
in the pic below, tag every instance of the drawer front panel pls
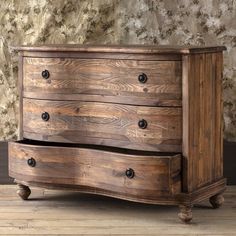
(125, 126)
(152, 176)
(121, 81)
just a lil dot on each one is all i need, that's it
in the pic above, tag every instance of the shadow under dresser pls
(141, 123)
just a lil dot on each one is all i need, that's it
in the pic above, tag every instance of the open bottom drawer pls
(120, 173)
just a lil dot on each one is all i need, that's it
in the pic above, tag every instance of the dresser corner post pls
(20, 91)
(187, 159)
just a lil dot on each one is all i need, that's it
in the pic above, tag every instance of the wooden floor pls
(51, 212)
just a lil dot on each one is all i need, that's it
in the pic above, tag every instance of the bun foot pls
(23, 191)
(185, 214)
(216, 200)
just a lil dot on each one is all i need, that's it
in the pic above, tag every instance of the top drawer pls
(154, 83)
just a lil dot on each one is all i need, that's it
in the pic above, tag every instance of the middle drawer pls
(124, 126)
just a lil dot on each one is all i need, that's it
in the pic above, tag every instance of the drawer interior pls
(97, 147)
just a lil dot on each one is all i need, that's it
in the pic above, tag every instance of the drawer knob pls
(31, 162)
(45, 116)
(129, 173)
(142, 124)
(45, 74)
(142, 78)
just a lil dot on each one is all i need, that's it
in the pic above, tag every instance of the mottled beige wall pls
(184, 22)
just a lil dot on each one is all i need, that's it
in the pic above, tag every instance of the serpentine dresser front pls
(141, 123)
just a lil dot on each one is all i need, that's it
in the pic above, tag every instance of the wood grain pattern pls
(203, 193)
(93, 97)
(100, 55)
(105, 124)
(20, 91)
(96, 168)
(93, 79)
(127, 49)
(202, 119)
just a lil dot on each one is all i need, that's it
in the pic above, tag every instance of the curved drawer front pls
(146, 177)
(120, 81)
(125, 126)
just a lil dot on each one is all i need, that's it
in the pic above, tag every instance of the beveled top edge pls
(146, 49)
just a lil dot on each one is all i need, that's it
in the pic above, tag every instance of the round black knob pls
(31, 162)
(142, 78)
(129, 173)
(45, 116)
(45, 74)
(142, 124)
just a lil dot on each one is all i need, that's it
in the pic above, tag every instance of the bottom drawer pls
(131, 174)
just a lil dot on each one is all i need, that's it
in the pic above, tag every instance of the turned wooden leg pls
(185, 213)
(23, 191)
(216, 200)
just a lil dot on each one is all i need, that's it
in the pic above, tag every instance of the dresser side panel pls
(202, 120)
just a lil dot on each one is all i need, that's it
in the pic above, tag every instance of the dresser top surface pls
(146, 49)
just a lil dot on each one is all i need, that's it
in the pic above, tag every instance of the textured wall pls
(196, 22)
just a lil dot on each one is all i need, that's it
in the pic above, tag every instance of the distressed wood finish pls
(202, 120)
(95, 100)
(104, 124)
(20, 91)
(99, 55)
(154, 176)
(104, 80)
(125, 49)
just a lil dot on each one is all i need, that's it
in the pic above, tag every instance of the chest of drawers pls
(141, 123)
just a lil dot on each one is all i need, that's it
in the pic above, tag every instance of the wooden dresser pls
(141, 123)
